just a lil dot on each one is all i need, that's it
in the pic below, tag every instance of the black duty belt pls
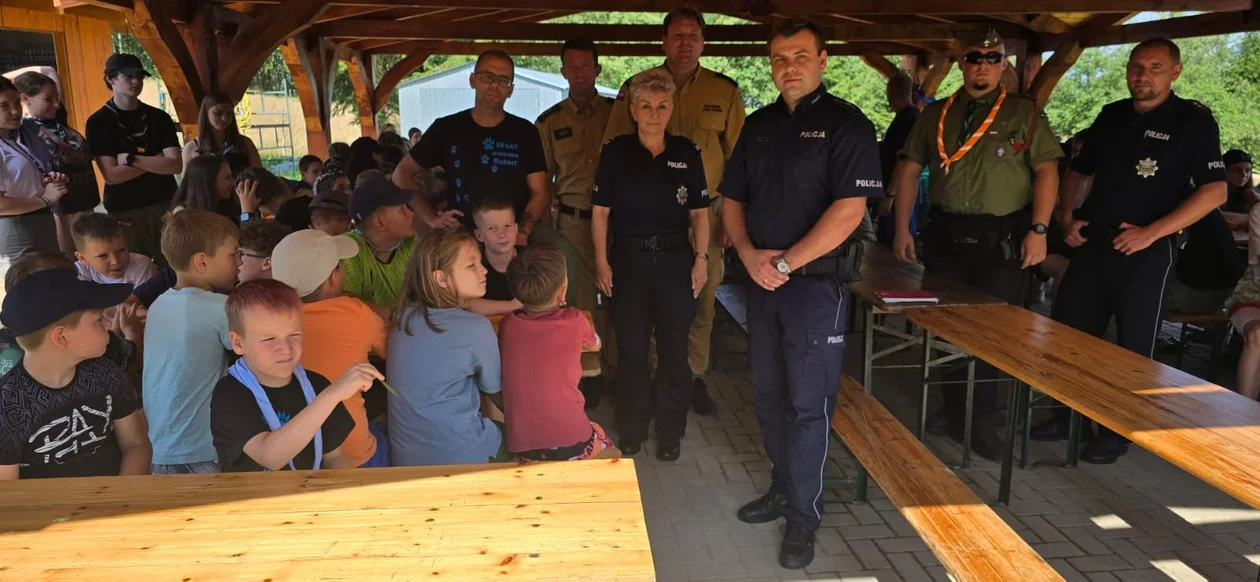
(843, 263)
(655, 243)
(567, 210)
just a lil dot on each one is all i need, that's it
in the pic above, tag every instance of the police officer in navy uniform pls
(652, 185)
(1155, 161)
(795, 189)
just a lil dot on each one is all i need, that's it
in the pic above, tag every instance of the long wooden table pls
(580, 519)
(1209, 431)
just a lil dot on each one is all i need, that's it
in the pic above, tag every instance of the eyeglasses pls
(242, 254)
(489, 78)
(976, 57)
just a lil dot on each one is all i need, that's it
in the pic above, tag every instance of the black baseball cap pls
(1232, 157)
(374, 194)
(332, 200)
(125, 64)
(42, 298)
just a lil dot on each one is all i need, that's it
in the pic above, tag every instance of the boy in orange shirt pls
(339, 331)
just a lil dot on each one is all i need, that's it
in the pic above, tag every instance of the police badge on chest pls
(682, 196)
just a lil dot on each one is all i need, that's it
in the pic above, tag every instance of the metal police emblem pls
(1147, 168)
(1001, 152)
(682, 196)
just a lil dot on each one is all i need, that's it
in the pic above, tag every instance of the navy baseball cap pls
(375, 194)
(125, 64)
(42, 298)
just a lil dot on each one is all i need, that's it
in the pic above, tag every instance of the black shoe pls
(1104, 450)
(765, 509)
(1050, 430)
(592, 389)
(797, 550)
(630, 449)
(668, 452)
(701, 402)
(988, 444)
(939, 423)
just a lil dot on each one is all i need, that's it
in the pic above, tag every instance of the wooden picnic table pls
(578, 519)
(882, 271)
(1209, 431)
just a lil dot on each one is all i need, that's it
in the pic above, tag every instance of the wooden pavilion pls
(205, 45)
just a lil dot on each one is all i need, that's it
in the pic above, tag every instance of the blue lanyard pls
(21, 149)
(246, 377)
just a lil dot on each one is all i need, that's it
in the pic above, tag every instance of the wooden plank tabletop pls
(882, 271)
(969, 539)
(579, 519)
(1209, 431)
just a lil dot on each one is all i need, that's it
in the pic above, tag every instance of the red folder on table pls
(907, 297)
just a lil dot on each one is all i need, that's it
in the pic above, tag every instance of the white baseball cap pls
(305, 259)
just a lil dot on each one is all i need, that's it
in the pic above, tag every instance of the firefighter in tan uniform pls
(708, 110)
(572, 134)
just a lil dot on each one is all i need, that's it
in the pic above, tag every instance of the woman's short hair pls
(654, 80)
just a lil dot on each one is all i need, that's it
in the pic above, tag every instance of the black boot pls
(701, 402)
(797, 550)
(668, 452)
(986, 440)
(592, 389)
(1055, 429)
(765, 509)
(630, 449)
(1105, 449)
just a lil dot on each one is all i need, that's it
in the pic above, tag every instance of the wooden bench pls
(969, 539)
(1209, 431)
(1217, 323)
(579, 519)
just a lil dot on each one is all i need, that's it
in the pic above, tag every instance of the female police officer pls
(653, 185)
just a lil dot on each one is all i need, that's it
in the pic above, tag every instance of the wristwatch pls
(704, 256)
(131, 161)
(1040, 228)
(782, 265)
(245, 216)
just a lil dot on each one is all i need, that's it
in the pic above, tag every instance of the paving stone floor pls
(1139, 519)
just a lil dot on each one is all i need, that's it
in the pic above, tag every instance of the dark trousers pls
(652, 294)
(796, 351)
(1001, 278)
(1102, 283)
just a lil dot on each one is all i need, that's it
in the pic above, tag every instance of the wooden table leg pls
(967, 419)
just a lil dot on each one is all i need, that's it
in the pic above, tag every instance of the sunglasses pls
(493, 79)
(977, 57)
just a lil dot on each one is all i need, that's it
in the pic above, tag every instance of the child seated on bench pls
(541, 347)
(66, 411)
(442, 358)
(268, 413)
(496, 230)
(101, 249)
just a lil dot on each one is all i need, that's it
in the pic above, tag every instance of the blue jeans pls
(381, 457)
(204, 468)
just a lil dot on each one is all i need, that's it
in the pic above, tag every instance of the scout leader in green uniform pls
(708, 110)
(990, 155)
(572, 133)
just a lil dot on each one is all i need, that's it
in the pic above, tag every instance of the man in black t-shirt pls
(900, 94)
(484, 151)
(65, 411)
(137, 152)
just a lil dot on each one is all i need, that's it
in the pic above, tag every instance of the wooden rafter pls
(1182, 27)
(854, 7)
(313, 64)
(359, 67)
(632, 32)
(152, 24)
(883, 66)
(936, 73)
(390, 80)
(256, 41)
(622, 49)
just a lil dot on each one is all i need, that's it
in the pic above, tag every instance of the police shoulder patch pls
(1200, 106)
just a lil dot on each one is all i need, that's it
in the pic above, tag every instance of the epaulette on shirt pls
(550, 110)
(1200, 105)
(725, 78)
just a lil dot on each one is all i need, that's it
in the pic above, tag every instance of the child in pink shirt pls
(541, 348)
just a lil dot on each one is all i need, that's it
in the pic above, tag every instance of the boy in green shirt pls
(382, 229)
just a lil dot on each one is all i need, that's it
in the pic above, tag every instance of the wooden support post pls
(200, 35)
(390, 80)
(152, 23)
(1053, 70)
(880, 63)
(1029, 63)
(313, 64)
(941, 65)
(256, 40)
(360, 69)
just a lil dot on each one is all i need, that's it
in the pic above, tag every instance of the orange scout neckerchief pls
(947, 160)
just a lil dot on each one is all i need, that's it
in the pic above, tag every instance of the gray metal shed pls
(422, 100)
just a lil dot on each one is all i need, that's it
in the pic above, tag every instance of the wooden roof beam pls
(385, 29)
(883, 66)
(255, 41)
(853, 7)
(1174, 28)
(622, 49)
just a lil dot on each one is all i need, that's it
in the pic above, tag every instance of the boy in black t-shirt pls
(496, 230)
(268, 412)
(137, 152)
(68, 412)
